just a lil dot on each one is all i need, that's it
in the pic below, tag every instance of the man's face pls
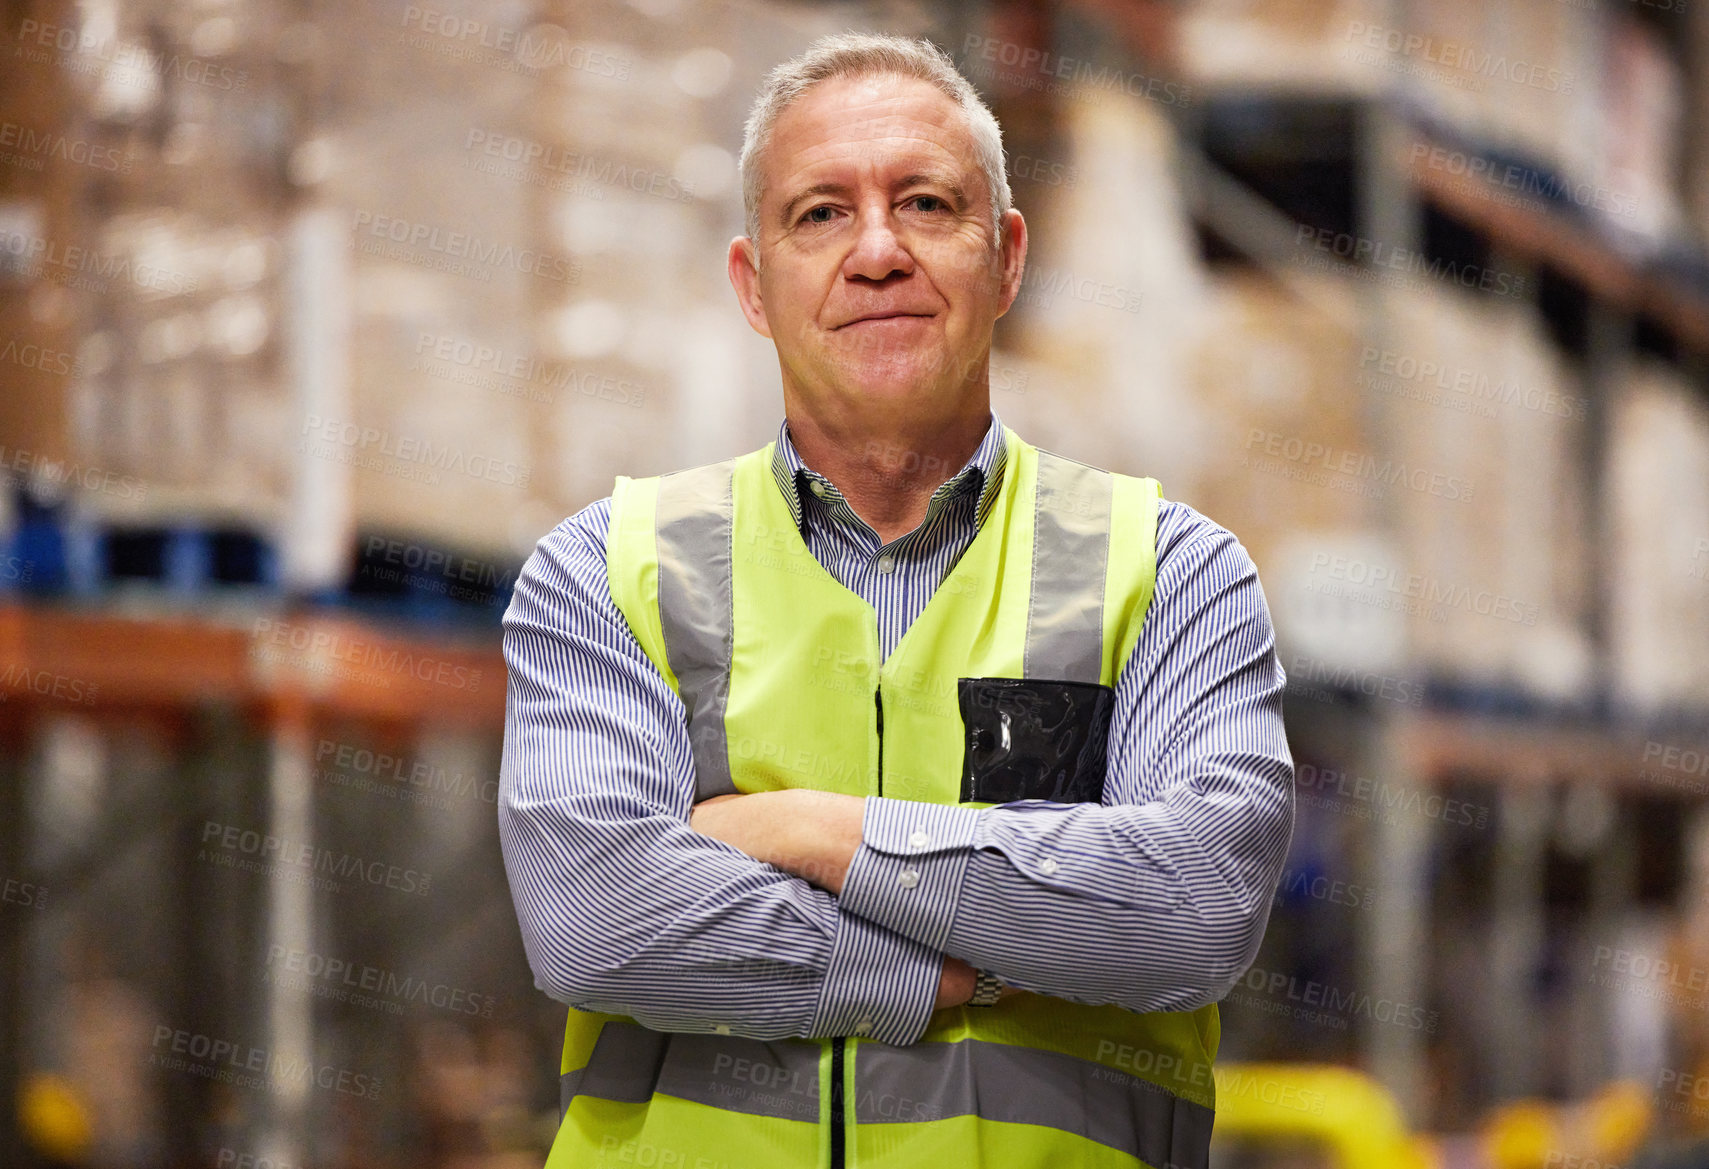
(879, 276)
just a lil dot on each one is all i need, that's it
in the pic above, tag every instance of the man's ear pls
(1012, 257)
(742, 263)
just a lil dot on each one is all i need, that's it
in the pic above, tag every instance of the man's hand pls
(955, 985)
(812, 834)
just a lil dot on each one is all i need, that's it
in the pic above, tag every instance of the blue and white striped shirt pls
(1154, 900)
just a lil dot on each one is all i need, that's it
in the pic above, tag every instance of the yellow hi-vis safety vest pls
(778, 668)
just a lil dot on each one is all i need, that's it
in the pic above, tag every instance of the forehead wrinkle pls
(945, 173)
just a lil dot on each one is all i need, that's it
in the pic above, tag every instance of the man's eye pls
(811, 216)
(930, 203)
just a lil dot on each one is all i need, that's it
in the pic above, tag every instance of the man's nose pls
(878, 251)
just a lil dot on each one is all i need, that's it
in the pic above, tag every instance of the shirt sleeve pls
(1157, 898)
(623, 907)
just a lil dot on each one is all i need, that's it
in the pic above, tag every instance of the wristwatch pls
(986, 989)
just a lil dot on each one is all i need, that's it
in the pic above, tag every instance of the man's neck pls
(888, 473)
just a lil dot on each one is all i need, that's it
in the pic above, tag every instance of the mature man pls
(899, 794)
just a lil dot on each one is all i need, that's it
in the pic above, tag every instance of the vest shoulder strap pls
(668, 562)
(1094, 568)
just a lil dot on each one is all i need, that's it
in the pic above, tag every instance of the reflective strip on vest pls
(695, 511)
(1026, 1085)
(1065, 615)
(629, 1063)
(993, 1081)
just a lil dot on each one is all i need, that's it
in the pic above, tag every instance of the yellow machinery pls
(1317, 1115)
(1324, 1116)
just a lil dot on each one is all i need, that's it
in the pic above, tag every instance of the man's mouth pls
(885, 317)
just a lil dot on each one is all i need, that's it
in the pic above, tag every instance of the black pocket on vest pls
(1034, 740)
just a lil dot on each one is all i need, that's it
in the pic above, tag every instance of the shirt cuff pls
(907, 873)
(879, 985)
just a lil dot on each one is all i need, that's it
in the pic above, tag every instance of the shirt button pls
(722, 1028)
(886, 563)
(864, 1027)
(816, 487)
(919, 840)
(908, 878)
(1047, 866)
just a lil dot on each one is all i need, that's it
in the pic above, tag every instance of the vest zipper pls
(836, 1104)
(878, 697)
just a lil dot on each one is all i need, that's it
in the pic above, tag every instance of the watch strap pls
(987, 988)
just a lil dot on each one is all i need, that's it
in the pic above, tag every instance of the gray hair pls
(853, 54)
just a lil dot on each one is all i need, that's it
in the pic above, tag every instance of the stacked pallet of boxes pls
(1417, 498)
(1486, 421)
(1659, 558)
(433, 440)
(1588, 99)
(1285, 439)
(155, 251)
(1111, 295)
(40, 147)
(1591, 97)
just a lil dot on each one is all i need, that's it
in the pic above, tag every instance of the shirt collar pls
(986, 462)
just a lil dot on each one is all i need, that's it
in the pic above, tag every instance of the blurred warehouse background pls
(314, 317)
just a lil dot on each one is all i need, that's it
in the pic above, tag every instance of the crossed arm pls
(789, 913)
